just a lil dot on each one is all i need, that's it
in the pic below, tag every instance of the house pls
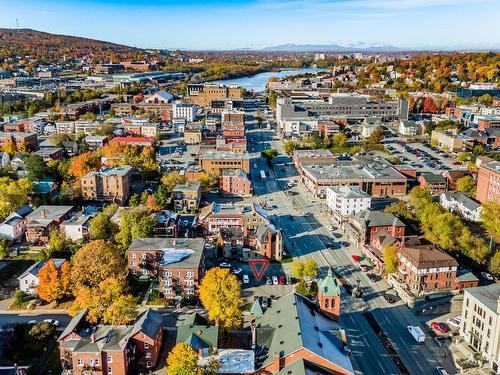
(50, 153)
(4, 159)
(111, 349)
(177, 264)
(235, 182)
(28, 281)
(76, 228)
(160, 97)
(70, 147)
(18, 164)
(294, 336)
(480, 326)
(168, 223)
(344, 200)
(424, 268)
(43, 220)
(14, 225)
(197, 332)
(95, 141)
(460, 203)
(186, 196)
(434, 183)
(409, 128)
(110, 184)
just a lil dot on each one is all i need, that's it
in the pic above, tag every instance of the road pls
(306, 236)
(8, 318)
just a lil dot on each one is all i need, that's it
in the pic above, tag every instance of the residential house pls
(76, 228)
(186, 196)
(344, 200)
(111, 184)
(4, 159)
(295, 336)
(49, 154)
(235, 182)
(177, 264)
(14, 225)
(43, 220)
(96, 141)
(409, 128)
(29, 281)
(18, 165)
(434, 183)
(111, 349)
(460, 203)
(480, 326)
(168, 224)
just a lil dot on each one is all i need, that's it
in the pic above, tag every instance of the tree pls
(36, 168)
(269, 155)
(376, 136)
(101, 227)
(9, 147)
(14, 194)
(42, 331)
(4, 248)
(183, 360)
(220, 295)
(491, 217)
(290, 147)
(54, 283)
(494, 266)
(171, 179)
(310, 268)
(429, 105)
(400, 209)
(161, 196)
(467, 185)
(298, 269)
(84, 163)
(135, 223)
(95, 262)
(273, 98)
(391, 259)
(57, 241)
(315, 140)
(144, 227)
(339, 140)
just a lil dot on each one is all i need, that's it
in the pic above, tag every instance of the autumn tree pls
(494, 265)
(491, 217)
(290, 147)
(135, 223)
(57, 241)
(220, 295)
(102, 228)
(390, 254)
(183, 360)
(429, 105)
(95, 262)
(14, 194)
(84, 163)
(36, 168)
(171, 179)
(9, 147)
(54, 283)
(339, 140)
(467, 185)
(400, 209)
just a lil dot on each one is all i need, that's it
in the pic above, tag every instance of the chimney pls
(43, 214)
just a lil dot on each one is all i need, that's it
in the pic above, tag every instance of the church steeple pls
(329, 294)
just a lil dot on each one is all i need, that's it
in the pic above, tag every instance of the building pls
(43, 220)
(14, 225)
(409, 128)
(329, 294)
(452, 177)
(362, 227)
(28, 140)
(297, 337)
(480, 326)
(488, 180)
(192, 134)
(460, 203)
(76, 228)
(50, 153)
(375, 176)
(160, 97)
(111, 349)
(204, 94)
(217, 161)
(4, 159)
(186, 196)
(184, 110)
(424, 268)
(451, 140)
(344, 200)
(134, 141)
(87, 127)
(434, 183)
(29, 281)
(112, 184)
(178, 264)
(96, 141)
(235, 182)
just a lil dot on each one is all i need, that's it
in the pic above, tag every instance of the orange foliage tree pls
(84, 163)
(54, 283)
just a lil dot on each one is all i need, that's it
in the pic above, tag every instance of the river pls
(258, 82)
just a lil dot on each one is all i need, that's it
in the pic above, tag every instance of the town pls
(279, 212)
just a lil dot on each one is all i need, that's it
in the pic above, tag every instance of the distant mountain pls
(40, 41)
(360, 47)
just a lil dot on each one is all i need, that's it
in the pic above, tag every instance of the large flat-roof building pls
(488, 180)
(218, 160)
(112, 184)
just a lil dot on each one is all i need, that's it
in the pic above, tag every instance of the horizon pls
(223, 25)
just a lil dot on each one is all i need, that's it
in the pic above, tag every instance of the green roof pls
(328, 286)
(256, 309)
(431, 177)
(198, 336)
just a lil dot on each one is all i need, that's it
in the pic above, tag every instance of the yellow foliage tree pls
(183, 360)
(391, 259)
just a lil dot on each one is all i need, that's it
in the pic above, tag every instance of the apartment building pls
(233, 116)
(488, 180)
(409, 128)
(186, 196)
(134, 141)
(460, 203)
(204, 94)
(451, 140)
(50, 153)
(111, 349)
(178, 264)
(480, 326)
(426, 268)
(344, 200)
(193, 134)
(29, 140)
(112, 184)
(87, 127)
(434, 183)
(184, 110)
(218, 161)
(235, 182)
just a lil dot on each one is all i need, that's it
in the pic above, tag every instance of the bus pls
(262, 175)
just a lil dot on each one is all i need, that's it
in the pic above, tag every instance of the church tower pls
(329, 295)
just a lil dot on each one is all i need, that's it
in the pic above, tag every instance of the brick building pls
(217, 161)
(111, 349)
(45, 219)
(488, 180)
(329, 295)
(235, 182)
(113, 184)
(29, 140)
(204, 94)
(434, 183)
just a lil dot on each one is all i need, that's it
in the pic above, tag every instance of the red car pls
(282, 280)
(440, 327)
(356, 258)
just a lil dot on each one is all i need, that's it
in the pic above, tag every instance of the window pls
(80, 361)
(148, 363)
(110, 370)
(133, 255)
(110, 359)
(148, 355)
(96, 362)
(146, 345)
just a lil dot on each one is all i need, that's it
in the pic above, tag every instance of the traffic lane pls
(8, 318)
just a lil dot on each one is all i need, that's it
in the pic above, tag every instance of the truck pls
(417, 333)
(262, 175)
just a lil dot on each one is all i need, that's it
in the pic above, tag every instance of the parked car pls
(269, 281)
(441, 371)
(246, 279)
(363, 267)
(52, 321)
(440, 327)
(264, 302)
(225, 265)
(455, 322)
(215, 191)
(282, 280)
(236, 270)
(390, 298)
(329, 227)
(275, 280)
(487, 276)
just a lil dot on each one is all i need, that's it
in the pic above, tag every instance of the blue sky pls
(229, 24)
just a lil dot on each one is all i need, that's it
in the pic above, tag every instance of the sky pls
(232, 24)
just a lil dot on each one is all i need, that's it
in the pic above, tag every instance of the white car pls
(236, 270)
(269, 281)
(441, 371)
(455, 322)
(32, 322)
(225, 265)
(215, 191)
(246, 279)
(52, 321)
(329, 227)
(487, 276)
(275, 280)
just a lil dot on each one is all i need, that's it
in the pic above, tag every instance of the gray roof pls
(378, 219)
(214, 155)
(120, 170)
(35, 268)
(312, 153)
(149, 322)
(44, 215)
(349, 192)
(487, 295)
(467, 277)
(463, 199)
(293, 322)
(188, 186)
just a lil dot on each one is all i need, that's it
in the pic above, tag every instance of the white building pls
(184, 110)
(344, 200)
(460, 203)
(14, 226)
(4, 159)
(65, 127)
(28, 281)
(409, 128)
(480, 326)
(160, 97)
(86, 126)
